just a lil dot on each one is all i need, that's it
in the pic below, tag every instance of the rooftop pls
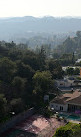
(74, 97)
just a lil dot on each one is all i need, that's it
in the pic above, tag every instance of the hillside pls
(44, 24)
(26, 29)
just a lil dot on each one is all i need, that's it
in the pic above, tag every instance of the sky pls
(39, 8)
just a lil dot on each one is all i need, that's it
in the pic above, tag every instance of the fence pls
(16, 119)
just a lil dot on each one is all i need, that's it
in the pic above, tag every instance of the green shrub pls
(48, 113)
(69, 130)
(64, 132)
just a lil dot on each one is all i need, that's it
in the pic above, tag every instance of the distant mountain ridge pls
(44, 24)
(27, 27)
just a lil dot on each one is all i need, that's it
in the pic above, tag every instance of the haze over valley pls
(37, 31)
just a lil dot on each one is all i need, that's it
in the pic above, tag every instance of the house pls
(68, 83)
(70, 102)
(65, 83)
(79, 60)
(46, 98)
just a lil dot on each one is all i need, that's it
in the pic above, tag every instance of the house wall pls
(57, 106)
(73, 107)
(65, 83)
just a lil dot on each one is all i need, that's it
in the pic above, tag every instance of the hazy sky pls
(40, 8)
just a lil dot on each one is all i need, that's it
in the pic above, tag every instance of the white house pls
(46, 98)
(67, 102)
(65, 83)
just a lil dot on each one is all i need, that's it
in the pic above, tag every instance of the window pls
(61, 83)
(61, 108)
(51, 105)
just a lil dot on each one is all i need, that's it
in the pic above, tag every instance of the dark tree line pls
(25, 77)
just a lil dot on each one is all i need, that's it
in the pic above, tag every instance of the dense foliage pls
(25, 77)
(69, 130)
(69, 51)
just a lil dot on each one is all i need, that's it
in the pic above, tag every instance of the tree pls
(7, 69)
(42, 57)
(43, 84)
(31, 59)
(70, 71)
(15, 54)
(73, 59)
(17, 105)
(3, 51)
(46, 49)
(76, 71)
(78, 33)
(24, 70)
(56, 55)
(43, 79)
(19, 84)
(10, 45)
(3, 106)
(67, 59)
(55, 68)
